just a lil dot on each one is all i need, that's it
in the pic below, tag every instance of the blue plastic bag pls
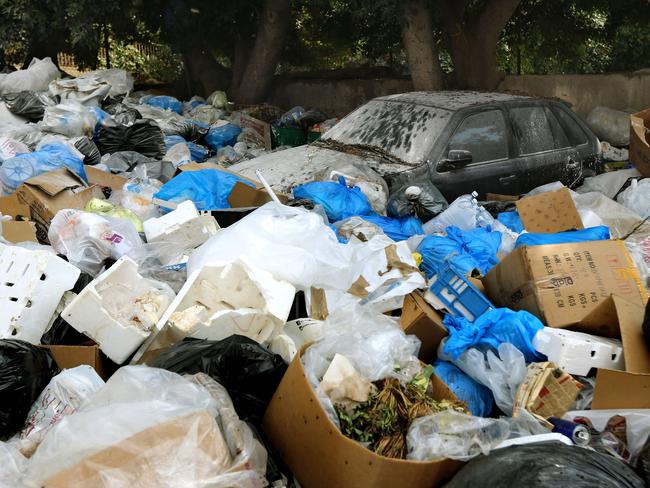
(481, 243)
(598, 233)
(512, 221)
(102, 117)
(436, 250)
(198, 152)
(165, 102)
(479, 398)
(209, 189)
(494, 327)
(338, 200)
(224, 135)
(398, 228)
(49, 157)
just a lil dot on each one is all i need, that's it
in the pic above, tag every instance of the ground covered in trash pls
(166, 321)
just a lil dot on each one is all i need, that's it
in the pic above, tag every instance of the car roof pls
(452, 100)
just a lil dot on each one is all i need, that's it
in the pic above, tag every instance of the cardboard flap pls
(57, 181)
(19, 231)
(601, 321)
(12, 206)
(630, 320)
(104, 178)
(549, 212)
(621, 390)
(640, 125)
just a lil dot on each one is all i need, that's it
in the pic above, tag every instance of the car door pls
(485, 133)
(544, 153)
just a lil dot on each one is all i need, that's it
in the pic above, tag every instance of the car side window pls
(533, 129)
(561, 139)
(483, 134)
(573, 130)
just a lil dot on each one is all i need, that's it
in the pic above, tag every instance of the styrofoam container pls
(88, 313)
(577, 353)
(31, 286)
(183, 225)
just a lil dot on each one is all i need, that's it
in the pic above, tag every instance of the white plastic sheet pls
(70, 119)
(636, 197)
(83, 90)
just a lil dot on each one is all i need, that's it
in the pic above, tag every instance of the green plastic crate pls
(288, 136)
(313, 136)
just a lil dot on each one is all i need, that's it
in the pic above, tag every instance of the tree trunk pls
(269, 42)
(473, 42)
(243, 48)
(421, 52)
(205, 74)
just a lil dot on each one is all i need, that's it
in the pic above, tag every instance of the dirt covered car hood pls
(292, 167)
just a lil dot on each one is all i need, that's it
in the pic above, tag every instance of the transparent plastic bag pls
(137, 196)
(373, 343)
(502, 374)
(636, 197)
(69, 119)
(357, 226)
(84, 90)
(13, 466)
(87, 239)
(65, 393)
(454, 435)
(146, 427)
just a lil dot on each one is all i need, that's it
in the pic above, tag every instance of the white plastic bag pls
(292, 244)
(63, 396)
(70, 119)
(454, 435)
(179, 442)
(10, 148)
(36, 77)
(637, 197)
(13, 466)
(502, 374)
(88, 239)
(83, 90)
(136, 196)
(178, 154)
(120, 80)
(608, 183)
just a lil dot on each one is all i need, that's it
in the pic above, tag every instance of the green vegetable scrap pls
(383, 421)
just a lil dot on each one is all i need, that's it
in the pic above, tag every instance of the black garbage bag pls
(122, 114)
(25, 370)
(88, 148)
(29, 104)
(144, 167)
(250, 372)
(543, 465)
(61, 333)
(643, 463)
(646, 325)
(420, 198)
(188, 130)
(144, 136)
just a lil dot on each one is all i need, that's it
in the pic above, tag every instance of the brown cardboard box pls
(320, 456)
(549, 212)
(563, 283)
(630, 388)
(261, 131)
(19, 231)
(640, 141)
(73, 356)
(136, 460)
(12, 206)
(104, 179)
(48, 193)
(423, 321)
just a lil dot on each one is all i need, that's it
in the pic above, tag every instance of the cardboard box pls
(423, 321)
(261, 131)
(73, 356)
(563, 283)
(549, 212)
(12, 206)
(19, 231)
(48, 193)
(320, 456)
(630, 388)
(104, 179)
(640, 141)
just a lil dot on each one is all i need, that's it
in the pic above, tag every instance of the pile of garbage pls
(168, 322)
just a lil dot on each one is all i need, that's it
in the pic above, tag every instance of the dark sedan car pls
(458, 141)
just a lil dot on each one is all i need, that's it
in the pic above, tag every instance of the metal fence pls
(68, 60)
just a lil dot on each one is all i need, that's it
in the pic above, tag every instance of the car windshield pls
(403, 130)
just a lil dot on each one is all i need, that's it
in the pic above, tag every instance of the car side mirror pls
(456, 158)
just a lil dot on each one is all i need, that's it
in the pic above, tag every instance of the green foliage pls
(162, 66)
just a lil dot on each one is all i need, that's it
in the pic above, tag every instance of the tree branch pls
(494, 17)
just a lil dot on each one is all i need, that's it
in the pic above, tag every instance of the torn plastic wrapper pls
(219, 301)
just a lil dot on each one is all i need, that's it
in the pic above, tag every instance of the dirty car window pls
(484, 135)
(533, 129)
(403, 130)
